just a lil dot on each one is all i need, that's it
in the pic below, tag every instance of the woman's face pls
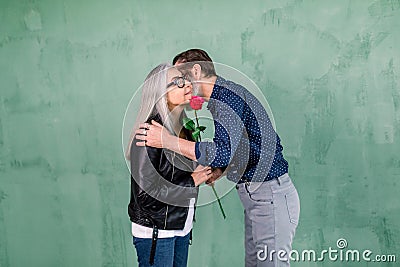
(175, 95)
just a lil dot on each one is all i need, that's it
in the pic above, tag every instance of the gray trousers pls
(271, 212)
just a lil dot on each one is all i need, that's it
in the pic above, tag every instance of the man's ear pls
(196, 71)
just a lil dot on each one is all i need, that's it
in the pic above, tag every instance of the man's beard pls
(196, 88)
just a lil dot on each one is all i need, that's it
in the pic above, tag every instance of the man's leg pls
(263, 218)
(287, 217)
(249, 245)
(259, 228)
(273, 211)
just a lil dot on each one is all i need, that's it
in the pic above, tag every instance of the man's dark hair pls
(196, 56)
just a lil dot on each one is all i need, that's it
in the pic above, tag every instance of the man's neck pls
(207, 86)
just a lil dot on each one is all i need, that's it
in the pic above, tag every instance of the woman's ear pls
(196, 71)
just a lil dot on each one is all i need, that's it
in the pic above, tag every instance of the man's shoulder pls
(230, 92)
(231, 88)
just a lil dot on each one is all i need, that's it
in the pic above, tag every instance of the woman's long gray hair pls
(154, 100)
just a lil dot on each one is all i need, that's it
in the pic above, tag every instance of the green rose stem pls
(213, 188)
(197, 122)
(219, 202)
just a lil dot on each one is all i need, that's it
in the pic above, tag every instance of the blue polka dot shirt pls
(245, 141)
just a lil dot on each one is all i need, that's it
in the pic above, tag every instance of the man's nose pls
(188, 84)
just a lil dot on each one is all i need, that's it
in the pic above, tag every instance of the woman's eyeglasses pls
(178, 81)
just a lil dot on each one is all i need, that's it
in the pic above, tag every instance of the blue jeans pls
(170, 252)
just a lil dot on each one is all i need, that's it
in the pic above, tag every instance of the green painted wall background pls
(329, 69)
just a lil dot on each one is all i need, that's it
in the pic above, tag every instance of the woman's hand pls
(201, 174)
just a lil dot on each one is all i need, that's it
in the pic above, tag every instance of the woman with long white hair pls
(164, 185)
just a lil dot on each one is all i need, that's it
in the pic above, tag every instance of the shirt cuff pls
(197, 150)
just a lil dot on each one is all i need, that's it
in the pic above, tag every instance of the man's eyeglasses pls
(179, 81)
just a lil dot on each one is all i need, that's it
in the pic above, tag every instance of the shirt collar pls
(215, 95)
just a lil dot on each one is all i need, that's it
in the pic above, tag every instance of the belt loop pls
(279, 180)
(246, 185)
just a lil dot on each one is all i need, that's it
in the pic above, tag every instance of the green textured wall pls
(329, 69)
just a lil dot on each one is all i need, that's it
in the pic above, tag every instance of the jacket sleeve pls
(154, 175)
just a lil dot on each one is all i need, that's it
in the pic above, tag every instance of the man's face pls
(189, 72)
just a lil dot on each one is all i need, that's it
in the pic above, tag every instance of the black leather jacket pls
(155, 174)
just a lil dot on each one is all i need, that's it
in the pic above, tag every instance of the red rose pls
(196, 102)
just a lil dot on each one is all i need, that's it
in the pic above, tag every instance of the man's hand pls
(201, 174)
(154, 135)
(215, 175)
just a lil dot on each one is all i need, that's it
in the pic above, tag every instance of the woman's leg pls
(181, 250)
(164, 256)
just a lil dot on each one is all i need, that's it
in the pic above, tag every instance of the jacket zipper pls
(173, 172)
(165, 222)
